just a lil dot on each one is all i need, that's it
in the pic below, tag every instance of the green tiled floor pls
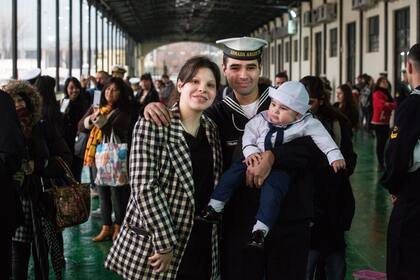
(366, 240)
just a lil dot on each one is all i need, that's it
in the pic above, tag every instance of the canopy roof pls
(188, 20)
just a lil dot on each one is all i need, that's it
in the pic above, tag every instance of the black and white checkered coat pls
(160, 213)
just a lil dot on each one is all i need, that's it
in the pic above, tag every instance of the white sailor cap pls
(134, 80)
(292, 94)
(30, 74)
(243, 48)
(118, 68)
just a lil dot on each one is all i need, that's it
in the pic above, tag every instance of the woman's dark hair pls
(123, 102)
(191, 67)
(75, 82)
(315, 87)
(348, 101)
(348, 106)
(384, 90)
(50, 107)
(147, 77)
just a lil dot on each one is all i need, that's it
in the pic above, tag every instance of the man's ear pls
(409, 67)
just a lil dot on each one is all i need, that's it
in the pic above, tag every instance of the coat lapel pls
(179, 154)
(215, 146)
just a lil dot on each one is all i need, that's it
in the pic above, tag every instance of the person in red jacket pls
(383, 104)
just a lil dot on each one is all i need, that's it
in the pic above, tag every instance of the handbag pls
(71, 202)
(80, 144)
(111, 163)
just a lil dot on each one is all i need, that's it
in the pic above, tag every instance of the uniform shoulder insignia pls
(394, 132)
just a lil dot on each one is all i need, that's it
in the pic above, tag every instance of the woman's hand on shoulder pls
(157, 113)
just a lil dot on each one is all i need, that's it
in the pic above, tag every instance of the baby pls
(286, 119)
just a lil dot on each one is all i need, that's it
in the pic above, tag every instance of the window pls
(273, 55)
(333, 42)
(85, 37)
(6, 67)
(101, 65)
(26, 34)
(373, 34)
(48, 38)
(92, 40)
(76, 39)
(306, 48)
(286, 52)
(280, 56)
(63, 21)
(295, 50)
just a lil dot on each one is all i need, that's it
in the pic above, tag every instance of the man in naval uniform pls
(287, 244)
(402, 179)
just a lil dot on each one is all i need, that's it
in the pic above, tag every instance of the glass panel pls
(100, 43)
(6, 68)
(76, 39)
(374, 34)
(305, 48)
(92, 39)
(48, 38)
(107, 42)
(333, 42)
(85, 35)
(63, 20)
(26, 34)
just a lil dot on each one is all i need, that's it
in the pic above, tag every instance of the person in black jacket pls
(77, 106)
(42, 144)
(287, 244)
(402, 177)
(11, 154)
(334, 201)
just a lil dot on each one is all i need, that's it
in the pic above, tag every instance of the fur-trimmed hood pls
(14, 87)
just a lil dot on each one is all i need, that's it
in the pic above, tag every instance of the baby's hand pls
(253, 160)
(338, 165)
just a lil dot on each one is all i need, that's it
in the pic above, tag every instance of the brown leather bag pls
(71, 202)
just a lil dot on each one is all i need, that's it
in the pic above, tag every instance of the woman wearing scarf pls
(11, 154)
(112, 116)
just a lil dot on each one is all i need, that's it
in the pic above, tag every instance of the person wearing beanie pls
(286, 119)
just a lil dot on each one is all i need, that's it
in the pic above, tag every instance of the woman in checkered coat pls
(173, 170)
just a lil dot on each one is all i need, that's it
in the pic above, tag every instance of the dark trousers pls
(332, 266)
(113, 198)
(382, 134)
(76, 167)
(366, 117)
(21, 253)
(273, 191)
(403, 239)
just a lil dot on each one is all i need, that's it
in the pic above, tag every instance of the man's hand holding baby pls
(253, 159)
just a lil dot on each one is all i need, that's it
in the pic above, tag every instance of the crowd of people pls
(246, 182)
